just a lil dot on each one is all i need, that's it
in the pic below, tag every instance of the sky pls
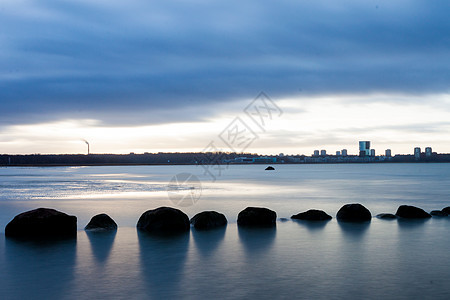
(153, 76)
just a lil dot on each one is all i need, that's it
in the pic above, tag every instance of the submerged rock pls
(164, 220)
(438, 213)
(101, 222)
(386, 216)
(354, 213)
(411, 212)
(312, 215)
(257, 216)
(208, 220)
(42, 222)
(270, 168)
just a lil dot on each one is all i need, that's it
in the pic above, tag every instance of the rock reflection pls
(162, 263)
(354, 229)
(38, 269)
(207, 241)
(407, 224)
(101, 243)
(312, 225)
(256, 240)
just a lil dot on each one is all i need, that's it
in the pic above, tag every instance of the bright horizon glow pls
(333, 123)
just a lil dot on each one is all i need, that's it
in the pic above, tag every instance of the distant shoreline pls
(202, 159)
(240, 164)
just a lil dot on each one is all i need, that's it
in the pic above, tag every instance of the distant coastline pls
(201, 158)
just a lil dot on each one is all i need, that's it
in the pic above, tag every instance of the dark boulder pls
(42, 222)
(208, 220)
(386, 216)
(270, 168)
(438, 213)
(411, 212)
(446, 210)
(101, 222)
(257, 216)
(164, 220)
(354, 213)
(312, 215)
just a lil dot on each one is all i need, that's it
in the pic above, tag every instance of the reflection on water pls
(407, 224)
(354, 229)
(38, 269)
(256, 240)
(312, 225)
(162, 262)
(207, 241)
(101, 243)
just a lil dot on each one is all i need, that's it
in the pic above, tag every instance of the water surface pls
(333, 260)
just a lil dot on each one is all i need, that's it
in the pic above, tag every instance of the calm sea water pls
(332, 260)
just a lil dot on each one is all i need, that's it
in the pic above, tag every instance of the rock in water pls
(354, 213)
(164, 220)
(386, 216)
(446, 210)
(438, 213)
(312, 215)
(257, 216)
(270, 168)
(42, 222)
(208, 220)
(411, 212)
(101, 222)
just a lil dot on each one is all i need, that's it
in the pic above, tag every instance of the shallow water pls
(333, 260)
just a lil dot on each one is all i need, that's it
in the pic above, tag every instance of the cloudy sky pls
(150, 76)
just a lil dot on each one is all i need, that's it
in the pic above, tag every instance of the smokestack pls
(87, 143)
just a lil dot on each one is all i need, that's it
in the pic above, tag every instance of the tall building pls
(388, 153)
(417, 153)
(344, 152)
(364, 148)
(428, 151)
(316, 152)
(372, 152)
(338, 153)
(323, 152)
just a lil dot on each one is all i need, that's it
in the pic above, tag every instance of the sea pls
(380, 259)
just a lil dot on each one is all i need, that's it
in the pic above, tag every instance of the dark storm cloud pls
(112, 59)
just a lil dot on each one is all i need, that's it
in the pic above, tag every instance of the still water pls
(332, 260)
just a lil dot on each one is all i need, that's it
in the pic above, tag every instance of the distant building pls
(281, 155)
(264, 159)
(316, 152)
(428, 151)
(364, 148)
(388, 153)
(323, 152)
(243, 159)
(372, 152)
(344, 152)
(338, 153)
(417, 153)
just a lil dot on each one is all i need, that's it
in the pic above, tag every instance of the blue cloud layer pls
(76, 58)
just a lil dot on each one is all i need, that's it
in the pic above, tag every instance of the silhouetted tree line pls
(119, 159)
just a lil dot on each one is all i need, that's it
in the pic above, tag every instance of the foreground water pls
(380, 259)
